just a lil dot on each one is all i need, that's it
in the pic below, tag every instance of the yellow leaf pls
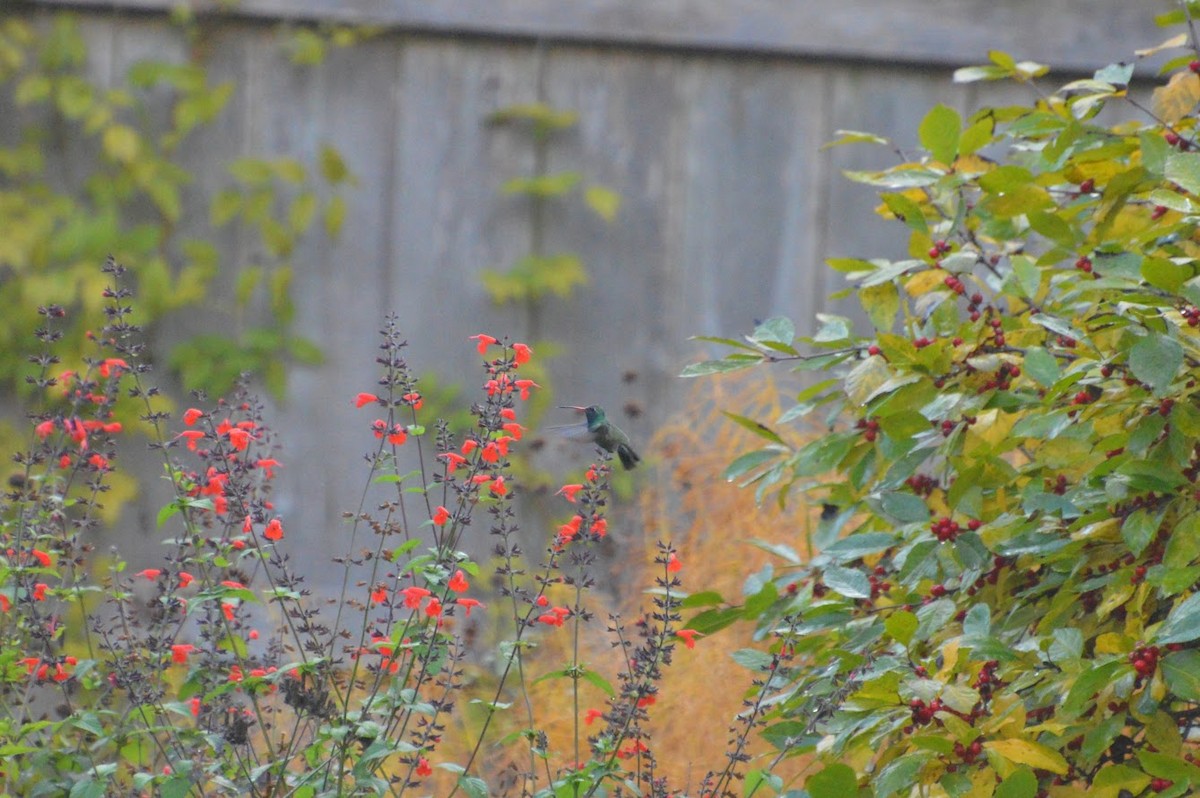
(1178, 40)
(1177, 99)
(1024, 752)
(924, 282)
(121, 143)
(949, 657)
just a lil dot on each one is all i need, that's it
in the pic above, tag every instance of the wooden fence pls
(707, 116)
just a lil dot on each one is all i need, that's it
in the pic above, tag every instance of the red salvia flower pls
(568, 491)
(441, 515)
(274, 530)
(688, 636)
(521, 353)
(192, 415)
(458, 583)
(469, 603)
(484, 342)
(413, 596)
(180, 651)
(365, 398)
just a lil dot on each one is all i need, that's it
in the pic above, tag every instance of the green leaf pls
(1139, 528)
(1021, 783)
(899, 775)
(757, 427)
(1155, 360)
(334, 216)
(835, 781)
(901, 625)
(473, 786)
(748, 462)
(905, 507)
(1182, 624)
(333, 167)
(860, 545)
(775, 330)
(881, 303)
(847, 582)
(706, 367)
(1041, 366)
(1184, 168)
(1181, 672)
(939, 133)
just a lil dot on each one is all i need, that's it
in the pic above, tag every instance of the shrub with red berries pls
(1011, 562)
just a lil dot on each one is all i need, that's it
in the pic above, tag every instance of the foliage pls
(216, 673)
(1006, 595)
(92, 170)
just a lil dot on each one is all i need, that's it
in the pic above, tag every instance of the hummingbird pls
(606, 434)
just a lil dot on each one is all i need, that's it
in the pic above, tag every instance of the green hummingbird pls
(605, 434)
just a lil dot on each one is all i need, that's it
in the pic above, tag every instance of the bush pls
(1006, 598)
(217, 673)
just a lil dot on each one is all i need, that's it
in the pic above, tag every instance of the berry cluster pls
(986, 681)
(1084, 264)
(945, 530)
(939, 248)
(969, 753)
(1192, 314)
(1005, 374)
(921, 484)
(879, 585)
(922, 342)
(973, 307)
(923, 713)
(870, 428)
(1176, 140)
(1144, 660)
(954, 284)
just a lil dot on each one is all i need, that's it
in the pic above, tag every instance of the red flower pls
(185, 578)
(192, 415)
(490, 453)
(397, 436)
(458, 583)
(514, 429)
(498, 487)
(64, 461)
(433, 608)
(274, 530)
(112, 428)
(239, 438)
(150, 573)
(423, 768)
(233, 585)
(508, 413)
(268, 465)
(99, 462)
(600, 527)
(469, 446)
(469, 603)
(550, 619)
(379, 427)
(6, 603)
(645, 701)
(568, 491)
(441, 515)
(228, 610)
(633, 749)
(365, 399)
(413, 596)
(688, 636)
(106, 368)
(542, 601)
(673, 564)
(379, 594)
(453, 460)
(591, 715)
(591, 474)
(414, 399)
(44, 429)
(180, 651)
(484, 342)
(192, 436)
(524, 386)
(521, 353)
(195, 702)
(42, 557)
(39, 591)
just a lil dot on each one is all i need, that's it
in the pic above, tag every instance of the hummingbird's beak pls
(576, 408)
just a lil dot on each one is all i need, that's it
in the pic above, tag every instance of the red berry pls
(873, 349)
(1194, 66)
(1086, 186)
(1159, 212)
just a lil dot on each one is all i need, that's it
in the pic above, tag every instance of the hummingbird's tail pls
(629, 458)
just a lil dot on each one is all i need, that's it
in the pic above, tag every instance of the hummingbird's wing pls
(577, 432)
